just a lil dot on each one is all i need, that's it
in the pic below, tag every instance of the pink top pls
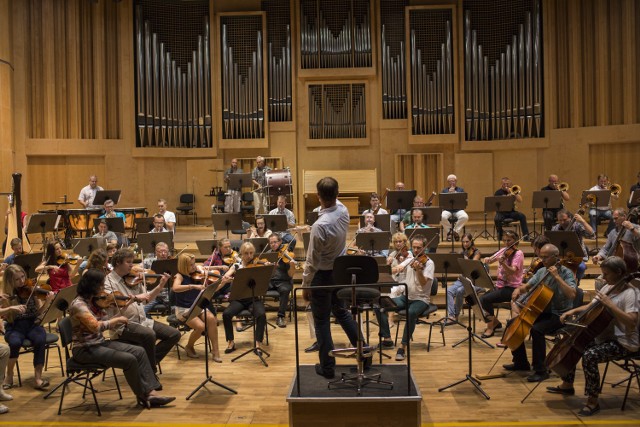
(506, 278)
(60, 279)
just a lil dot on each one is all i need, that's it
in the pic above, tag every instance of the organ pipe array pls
(280, 99)
(337, 111)
(394, 88)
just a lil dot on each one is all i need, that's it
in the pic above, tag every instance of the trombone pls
(615, 189)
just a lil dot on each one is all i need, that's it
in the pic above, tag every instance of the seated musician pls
(561, 281)
(407, 219)
(505, 190)
(222, 259)
(59, 268)
(460, 215)
(369, 227)
(281, 209)
(158, 224)
(631, 236)
(419, 277)
(98, 260)
(282, 279)
(602, 211)
(536, 261)
(582, 229)
(104, 232)
(247, 255)
(398, 214)
(187, 289)
(510, 268)
(417, 219)
(169, 217)
(259, 229)
(455, 292)
(22, 325)
(621, 300)
(109, 211)
(161, 252)
(88, 193)
(88, 321)
(400, 251)
(4, 352)
(550, 215)
(139, 330)
(16, 247)
(634, 187)
(376, 206)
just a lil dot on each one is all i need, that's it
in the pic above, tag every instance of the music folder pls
(104, 195)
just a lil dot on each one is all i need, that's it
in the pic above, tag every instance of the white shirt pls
(87, 194)
(134, 311)
(381, 211)
(416, 290)
(603, 207)
(169, 217)
(291, 219)
(629, 302)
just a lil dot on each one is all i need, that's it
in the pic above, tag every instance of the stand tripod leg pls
(531, 391)
(474, 336)
(485, 233)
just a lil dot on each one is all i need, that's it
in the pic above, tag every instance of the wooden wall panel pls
(619, 161)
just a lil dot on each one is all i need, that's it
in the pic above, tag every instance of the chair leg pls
(18, 371)
(115, 377)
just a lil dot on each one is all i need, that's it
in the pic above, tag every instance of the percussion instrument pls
(81, 220)
(130, 215)
(278, 182)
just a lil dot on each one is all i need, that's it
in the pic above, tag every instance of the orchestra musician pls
(161, 252)
(398, 214)
(327, 242)
(407, 219)
(510, 269)
(58, 266)
(4, 359)
(455, 292)
(259, 229)
(505, 190)
(22, 324)
(187, 289)
(369, 227)
(281, 209)
(103, 231)
(282, 278)
(98, 260)
(169, 217)
(400, 250)
(223, 257)
(621, 300)
(109, 211)
(536, 261)
(376, 206)
(247, 255)
(158, 224)
(419, 277)
(233, 196)
(16, 247)
(259, 177)
(603, 211)
(88, 321)
(460, 215)
(88, 193)
(139, 330)
(582, 229)
(562, 282)
(634, 187)
(622, 225)
(550, 215)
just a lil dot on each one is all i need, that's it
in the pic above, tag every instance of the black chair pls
(431, 308)
(508, 223)
(246, 206)
(186, 206)
(218, 207)
(630, 364)
(79, 373)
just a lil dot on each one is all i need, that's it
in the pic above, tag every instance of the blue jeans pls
(416, 308)
(455, 297)
(596, 214)
(21, 329)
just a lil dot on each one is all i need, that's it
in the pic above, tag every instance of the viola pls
(30, 288)
(258, 262)
(105, 299)
(231, 259)
(145, 275)
(213, 276)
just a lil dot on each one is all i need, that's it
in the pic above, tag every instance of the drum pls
(81, 220)
(130, 214)
(279, 182)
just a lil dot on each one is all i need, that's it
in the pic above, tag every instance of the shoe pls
(156, 401)
(3, 409)
(367, 362)
(564, 391)
(327, 374)
(280, 322)
(191, 353)
(456, 236)
(258, 352)
(7, 386)
(43, 385)
(587, 411)
(538, 377)
(4, 397)
(230, 350)
(449, 237)
(400, 355)
(450, 321)
(387, 344)
(498, 327)
(313, 347)
(488, 335)
(513, 367)
(144, 402)
(216, 359)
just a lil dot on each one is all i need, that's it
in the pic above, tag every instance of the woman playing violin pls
(247, 252)
(510, 268)
(23, 325)
(58, 266)
(89, 346)
(98, 260)
(223, 257)
(617, 341)
(186, 290)
(455, 292)
(259, 229)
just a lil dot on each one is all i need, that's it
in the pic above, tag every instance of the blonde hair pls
(184, 263)
(245, 247)
(398, 236)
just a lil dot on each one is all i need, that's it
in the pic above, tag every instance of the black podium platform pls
(317, 405)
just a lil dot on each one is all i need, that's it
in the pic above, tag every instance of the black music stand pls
(276, 222)
(227, 221)
(200, 305)
(169, 266)
(239, 180)
(311, 217)
(476, 272)
(468, 287)
(544, 200)
(400, 199)
(453, 202)
(567, 242)
(446, 264)
(29, 262)
(431, 214)
(251, 283)
(260, 243)
(634, 199)
(382, 222)
(207, 246)
(496, 204)
(375, 241)
(602, 198)
(85, 246)
(42, 223)
(59, 305)
(431, 236)
(143, 225)
(115, 224)
(306, 237)
(147, 241)
(104, 195)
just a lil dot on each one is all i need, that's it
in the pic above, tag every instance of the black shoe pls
(156, 401)
(387, 344)
(313, 347)
(280, 322)
(400, 355)
(538, 377)
(367, 363)
(565, 391)
(230, 350)
(327, 374)
(513, 367)
(526, 239)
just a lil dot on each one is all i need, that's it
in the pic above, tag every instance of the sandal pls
(230, 349)
(7, 386)
(589, 410)
(488, 335)
(43, 385)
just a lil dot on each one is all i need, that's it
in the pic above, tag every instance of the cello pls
(564, 356)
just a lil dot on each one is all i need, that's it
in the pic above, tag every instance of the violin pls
(231, 259)
(258, 262)
(148, 276)
(105, 299)
(213, 276)
(285, 256)
(30, 288)
(536, 264)
(71, 259)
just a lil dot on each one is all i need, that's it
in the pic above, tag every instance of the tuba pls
(615, 189)
(563, 186)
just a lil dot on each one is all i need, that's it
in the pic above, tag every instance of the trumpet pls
(563, 186)
(515, 190)
(615, 189)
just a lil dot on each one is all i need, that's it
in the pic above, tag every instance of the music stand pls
(474, 270)
(634, 199)
(85, 246)
(306, 237)
(431, 236)
(382, 222)
(143, 225)
(468, 287)
(276, 222)
(227, 221)
(104, 195)
(202, 304)
(400, 199)
(566, 242)
(603, 198)
(59, 305)
(311, 217)
(29, 262)
(239, 180)
(207, 246)
(260, 243)
(453, 202)
(446, 264)
(545, 200)
(251, 283)
(170, 266)
(431, 214)
(496, 204)
(115, 224)
(147, 241)
(375, 241)
(42, 223)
